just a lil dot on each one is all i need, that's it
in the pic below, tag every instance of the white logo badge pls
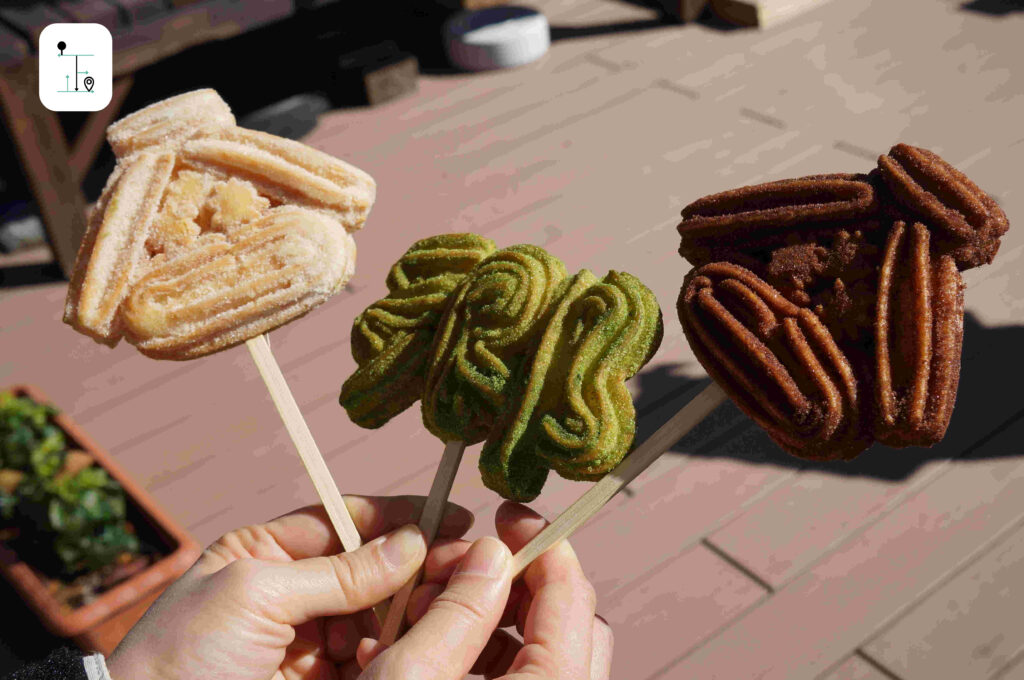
(75, 64)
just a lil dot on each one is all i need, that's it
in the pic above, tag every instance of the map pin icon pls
(89, 82)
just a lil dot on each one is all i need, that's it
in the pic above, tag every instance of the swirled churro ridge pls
(291, 262)
(392, 338)
(574, 413)
(830, 308)
(919, 332)
(486, 338)
(777, 361)
(968, 221)
(765, 213)
(503, 347)
(248, 212)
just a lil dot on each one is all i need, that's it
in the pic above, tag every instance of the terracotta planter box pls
(179, 549)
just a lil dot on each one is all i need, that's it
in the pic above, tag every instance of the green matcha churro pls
(486, 339)
(391, 340)
(575, 414)
(504, 347)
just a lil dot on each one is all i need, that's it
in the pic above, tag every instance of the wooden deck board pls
(1015, 671)
(677, 608)
(799, 522)
(856, 668)
(966, 629)
(591, 152)
(874, 577)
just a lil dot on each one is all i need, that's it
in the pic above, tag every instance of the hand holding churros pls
(208, 235)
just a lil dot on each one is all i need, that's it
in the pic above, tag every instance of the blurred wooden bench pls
(144, 32)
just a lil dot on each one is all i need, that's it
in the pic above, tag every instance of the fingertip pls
(510, 511)
(517, 524)
(368, 650)
(401, 547)
(456, 522)
(487, 557)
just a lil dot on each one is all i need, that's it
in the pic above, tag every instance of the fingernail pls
(487, 557)
(402, 545)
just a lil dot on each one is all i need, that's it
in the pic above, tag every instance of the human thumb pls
(446, 641)
(296, 592)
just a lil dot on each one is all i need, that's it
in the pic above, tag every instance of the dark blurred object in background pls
(294, 117)
(373, 75)
(20, 227)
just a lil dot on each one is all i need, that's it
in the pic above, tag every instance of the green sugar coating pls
(573, 413)
(391, 339)
(485, 339)
(503, 347)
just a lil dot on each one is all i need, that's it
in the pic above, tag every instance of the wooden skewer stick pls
(430, 522)
(259, 347)
(305, 445)
(636, 462)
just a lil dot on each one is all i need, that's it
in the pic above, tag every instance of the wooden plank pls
(801, 520)
(856, 668)
(868, 92)
(762, 13)
(93, 11)
(166, 35)
(29, 19)
(43, 151)
(1015, 671)
(873, 578)
(681, 605)
(92, 135)
(13, 48)
(692, 494)
(243, 16)
(967, 629)
(141, 11)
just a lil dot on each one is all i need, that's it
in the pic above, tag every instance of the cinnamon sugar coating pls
(764, 214)
(919, 331)
(830, 308)
(775, 359)
(967, 221)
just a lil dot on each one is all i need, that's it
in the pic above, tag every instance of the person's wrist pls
(127, 663)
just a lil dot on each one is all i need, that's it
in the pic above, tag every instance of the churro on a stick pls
(391, 339)
(829, 308)
(505, 348)
(208, 235)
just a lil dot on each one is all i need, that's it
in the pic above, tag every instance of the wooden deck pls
(727, 559)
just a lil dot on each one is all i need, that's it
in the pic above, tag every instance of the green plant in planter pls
(70, 523)
(29, 441)
(87, 512)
